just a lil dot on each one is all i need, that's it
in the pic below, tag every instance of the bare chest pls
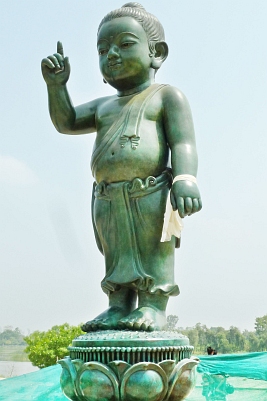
(113, 109)
(134, 144)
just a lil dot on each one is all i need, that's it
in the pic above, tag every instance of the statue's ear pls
(160, 55)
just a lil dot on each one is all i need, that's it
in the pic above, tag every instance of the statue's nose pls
(113, 52)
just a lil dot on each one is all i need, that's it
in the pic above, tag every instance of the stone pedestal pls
(128, 366)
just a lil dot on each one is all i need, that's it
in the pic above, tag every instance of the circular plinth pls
(130, 346)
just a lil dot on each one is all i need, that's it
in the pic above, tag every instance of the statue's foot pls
(107, 320)
(144, 318)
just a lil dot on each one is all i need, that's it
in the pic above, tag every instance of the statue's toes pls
(122, 324)
(143, 326)
(138, 324)
(94, 325)
(147, 325)
(86, 327)
(129, 324)
(151, 327)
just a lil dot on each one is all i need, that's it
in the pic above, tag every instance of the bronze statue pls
(137, 129)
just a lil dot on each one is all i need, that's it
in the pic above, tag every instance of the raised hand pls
(56, 68)
(185, 198)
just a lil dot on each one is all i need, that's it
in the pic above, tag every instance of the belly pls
(150, 157)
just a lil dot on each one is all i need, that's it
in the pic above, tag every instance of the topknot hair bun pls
(134, 5)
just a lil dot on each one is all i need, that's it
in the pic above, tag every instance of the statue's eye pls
(126, 45)
(101, 52)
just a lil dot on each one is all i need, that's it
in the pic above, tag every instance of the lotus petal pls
(67, 379)
(97, 382)
(182, 379)
(145, 381)
(119, 368)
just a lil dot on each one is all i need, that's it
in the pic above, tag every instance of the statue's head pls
(131, 32)
(151, 25)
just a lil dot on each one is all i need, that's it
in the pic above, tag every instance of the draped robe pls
(128, 215)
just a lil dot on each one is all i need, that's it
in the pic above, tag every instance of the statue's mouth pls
(114, 66)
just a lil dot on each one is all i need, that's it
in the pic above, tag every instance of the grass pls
(13, 353)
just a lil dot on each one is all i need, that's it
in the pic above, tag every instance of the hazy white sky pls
(50, 268)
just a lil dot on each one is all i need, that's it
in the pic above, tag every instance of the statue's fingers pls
(195, 205)
(200, 204)
(67, 65)
(173, 202)
(60, 48)
(180, 206)
(54, 61)
(188, 205)
(47, 62)
(60, 59)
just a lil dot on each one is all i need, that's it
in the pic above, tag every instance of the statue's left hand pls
(185, 198)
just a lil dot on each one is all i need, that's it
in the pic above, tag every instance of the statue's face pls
(124, 53)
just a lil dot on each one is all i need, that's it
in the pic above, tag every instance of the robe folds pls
(128, 215)
(128, 218)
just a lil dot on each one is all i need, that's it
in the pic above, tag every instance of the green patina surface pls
(139, 129)
(142, 131)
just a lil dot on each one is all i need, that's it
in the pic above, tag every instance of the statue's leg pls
(121, 303)
(150, 314)
(157, 261)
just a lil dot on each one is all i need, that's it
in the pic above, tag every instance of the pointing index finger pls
(60, 48)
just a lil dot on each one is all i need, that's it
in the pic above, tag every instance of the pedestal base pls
(129, 366)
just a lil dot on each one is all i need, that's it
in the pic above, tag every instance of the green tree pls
(45, 348)
(11, 336)
(223, 344)
(261, 332)
(202, 337)
(263, 342)
(252, 342)
(236, 339)
(212, 337)
(197, 336)
(172, 321)
(192, 334)
(261, 325)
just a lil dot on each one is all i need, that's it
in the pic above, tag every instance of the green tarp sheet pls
(243, 369)
(251, 366)
(42, 385)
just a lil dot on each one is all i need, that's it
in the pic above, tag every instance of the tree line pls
(227, 341)
(44, 348)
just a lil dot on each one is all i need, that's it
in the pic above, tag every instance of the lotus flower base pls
(123, 367)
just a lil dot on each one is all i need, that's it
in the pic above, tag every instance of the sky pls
(50, 267)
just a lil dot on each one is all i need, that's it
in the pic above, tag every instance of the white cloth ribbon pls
(173, 223)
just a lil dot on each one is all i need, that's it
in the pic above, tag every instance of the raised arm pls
(66, 118)
(179, 130)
